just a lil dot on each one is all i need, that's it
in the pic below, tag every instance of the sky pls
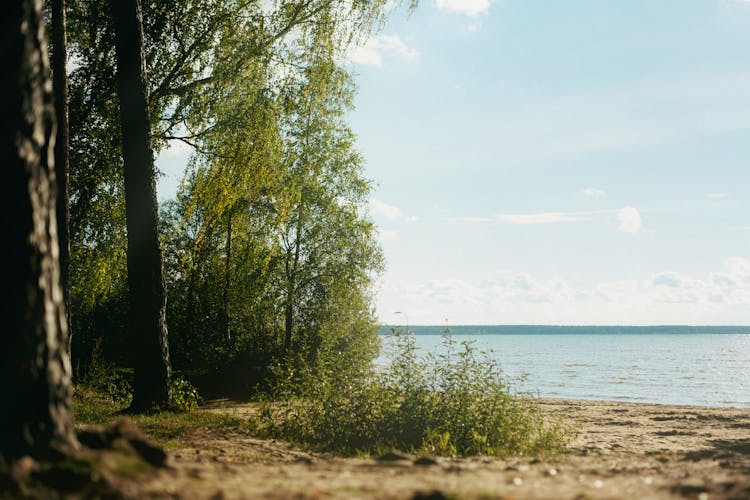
(547, 162)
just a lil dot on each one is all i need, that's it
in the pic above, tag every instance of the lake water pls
(705, 366)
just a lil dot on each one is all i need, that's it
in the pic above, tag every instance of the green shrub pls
(114, 383)
(455, 403)
(185, 397)
(107, 379)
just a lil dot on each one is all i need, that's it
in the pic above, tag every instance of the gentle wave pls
(704, 366)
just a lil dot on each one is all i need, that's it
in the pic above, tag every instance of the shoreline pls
(614, 402)
(621, 450)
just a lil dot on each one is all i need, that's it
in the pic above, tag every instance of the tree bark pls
(228, 279)
(291, 273)
(288, 322)
(62, 169)
(35, 383)
(148, 328)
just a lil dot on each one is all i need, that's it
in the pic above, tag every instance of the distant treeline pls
(564, 329)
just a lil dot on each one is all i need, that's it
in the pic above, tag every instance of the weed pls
(453, 403)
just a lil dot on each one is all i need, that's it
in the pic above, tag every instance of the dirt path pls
(630, 451)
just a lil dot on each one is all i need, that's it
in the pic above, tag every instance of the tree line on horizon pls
(266, 256)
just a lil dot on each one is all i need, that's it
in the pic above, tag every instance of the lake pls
(704, 366)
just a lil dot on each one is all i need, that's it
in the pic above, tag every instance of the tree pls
(198, 54)
(327, 248)
(217, 71)
(98, 236)
(34, 365)
(147, 293)
(278, 210)
(60, 91)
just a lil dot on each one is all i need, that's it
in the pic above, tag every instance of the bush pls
(455, 403)
(185, 397)
(107, 379)
(114, 383)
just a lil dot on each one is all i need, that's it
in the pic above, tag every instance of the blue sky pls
(547, 162)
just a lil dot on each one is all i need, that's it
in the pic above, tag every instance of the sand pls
(631, 451)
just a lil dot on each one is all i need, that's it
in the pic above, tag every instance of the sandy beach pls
(621, 450)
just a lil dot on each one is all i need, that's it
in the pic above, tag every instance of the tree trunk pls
(291, 273)
(60, 91)
(35, 387)
(228, 278)
(288, 322)
(148, 329)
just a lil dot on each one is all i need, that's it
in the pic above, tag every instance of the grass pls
(167, 427)
(456, 403)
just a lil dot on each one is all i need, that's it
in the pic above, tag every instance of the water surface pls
(706, 366)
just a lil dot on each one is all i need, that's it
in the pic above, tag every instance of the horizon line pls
(578, 325)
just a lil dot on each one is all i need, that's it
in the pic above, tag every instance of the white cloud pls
(509, 297)
(739, 267)
(466, 7)
(594, 193)
(718, 196)
(384, 209)
(373, 51)
(541, 218)
(472, 27)
(630, 220)
(669, 279)
(472, 219)
(384, 234)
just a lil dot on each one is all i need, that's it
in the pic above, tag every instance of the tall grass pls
(455, 403)
(167, 428)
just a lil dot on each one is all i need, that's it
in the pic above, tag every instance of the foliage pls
(92, 407)
(107, 379)
(269, 252)
(267, 244)
(185, 397)
(113, 383)
(456, 403)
